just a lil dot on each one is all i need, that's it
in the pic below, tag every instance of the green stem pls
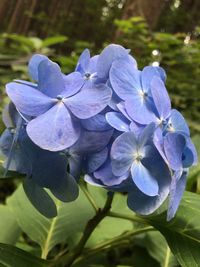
(69, 258)
(119, 240)
(89, 197)
(127, 217)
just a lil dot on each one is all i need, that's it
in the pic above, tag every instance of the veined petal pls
(95, 160)
(83, 61)
(50, 78)
(106, 58)
(33, 65)
(89, 102)
(96, 123)
(144, 180)
(147, 74)
(178, 123)
(28, 100)
(176, 192)
(146, 135)
(55, 130)
(122, 153)
(140, 110)
(73, 83)
(160, 97)
(118, 121)
(125, 79)
(174, 145)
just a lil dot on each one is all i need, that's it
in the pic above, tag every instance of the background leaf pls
(10, 230)
(183, 232)
(14, 257)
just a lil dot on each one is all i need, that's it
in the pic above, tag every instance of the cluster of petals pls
(108, 121)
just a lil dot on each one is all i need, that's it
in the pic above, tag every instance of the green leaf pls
(159, 249)
(11, 256)
(72, 218)
(54, 40)
(183, 232)
(10, 230)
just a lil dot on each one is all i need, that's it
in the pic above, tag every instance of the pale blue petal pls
(106, 58)
(51, 81)
(28, 100)
(122, 153)
(178, 123)
(144, 180)
(125, 79)
(140, 110)
(73, 83)
(121, 107)
(136, 128)
(33, 65)
(161, 98)
(89, 102)
(118, 121)
(177, 189)
(147, 134)
(174, 145)
(55, 130)
(83, 61)
(147, 74)
(92, 180)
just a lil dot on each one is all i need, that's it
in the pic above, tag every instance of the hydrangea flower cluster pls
(108, 121)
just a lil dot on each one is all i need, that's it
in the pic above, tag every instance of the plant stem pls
(127, 217)
(119, 240)
(89, 197)
(69, 258)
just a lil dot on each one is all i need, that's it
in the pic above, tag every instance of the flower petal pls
(89, 102)
(73, 83)
(55, 130)
(176, 192)
(95, 160)
(178, 123)
(28, 100)
(122, 152)
(140, 110)
(174, 145)
(125, 79)
(33, 65)
(83, 61)
(118, 121)
(106, 58)
(96, 123)
(50, 79)
(144, 180)
(160, 97)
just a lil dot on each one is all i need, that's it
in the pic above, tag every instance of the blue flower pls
(56, 105)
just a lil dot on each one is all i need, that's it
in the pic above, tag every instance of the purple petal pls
(89, 102)
(174, 145)
(176, 192)
(144, 180)
(105, 175)
(55, 130)
(106, 58)
(161, 98)
(73, 83)
(90, 142)
(33, 65)
(136, 128)
(96, 123)
(122, 152)
(118, 121)
(28, 100)
(50, 77)
(95, 160)
(125, 79)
